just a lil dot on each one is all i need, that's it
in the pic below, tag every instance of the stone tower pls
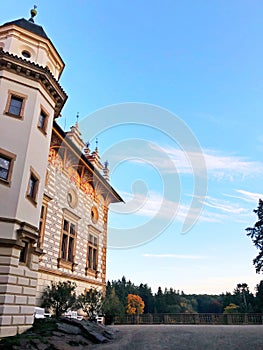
(30, 99)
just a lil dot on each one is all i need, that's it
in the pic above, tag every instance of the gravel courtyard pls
(185, 337)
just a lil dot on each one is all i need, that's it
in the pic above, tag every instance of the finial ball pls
(33, 11)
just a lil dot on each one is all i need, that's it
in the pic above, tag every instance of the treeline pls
(241, 300)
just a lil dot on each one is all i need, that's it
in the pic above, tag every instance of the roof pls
(28, 25)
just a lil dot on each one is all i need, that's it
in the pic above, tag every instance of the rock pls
(108, 334)
(59, 344)
(65, 334)
(39, 345)
(67, 328)
(94, 336)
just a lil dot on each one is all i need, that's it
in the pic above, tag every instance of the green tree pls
(256, 234)
(243, 297)
(91, 303)
(160, 305)
(112, 307)
(59, 297)
(259, 297)
(145, 293)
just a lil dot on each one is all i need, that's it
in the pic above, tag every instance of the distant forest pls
(241, 300)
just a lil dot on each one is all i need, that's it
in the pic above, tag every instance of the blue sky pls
(199, 62)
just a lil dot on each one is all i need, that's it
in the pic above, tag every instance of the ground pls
(185, 337)
(66, 334)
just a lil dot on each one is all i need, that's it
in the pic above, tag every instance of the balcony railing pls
(203, 319)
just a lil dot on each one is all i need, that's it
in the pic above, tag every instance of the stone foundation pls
(17, 290)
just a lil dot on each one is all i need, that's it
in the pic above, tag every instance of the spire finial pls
(106, 170)
(33, 13)
(97, 141)
(77, 119)
(86, 149)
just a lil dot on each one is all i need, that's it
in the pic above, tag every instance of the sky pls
(172, 90)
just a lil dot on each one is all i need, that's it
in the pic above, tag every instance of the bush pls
(91, 303)
(59, 297)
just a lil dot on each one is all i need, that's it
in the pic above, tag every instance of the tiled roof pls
(28, 25)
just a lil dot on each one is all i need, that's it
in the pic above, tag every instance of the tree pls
(112, 306)
(135, 304)
(244, 298)
(231, 309)
(256, 234)
(59, 297)
(160, 305)
(259, 297)
(91, 303)
(145, 293)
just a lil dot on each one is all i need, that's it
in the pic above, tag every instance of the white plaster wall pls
(23, 138)
(15, 39)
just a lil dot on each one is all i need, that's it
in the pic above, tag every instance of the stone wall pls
(17, 291)
(59, 183)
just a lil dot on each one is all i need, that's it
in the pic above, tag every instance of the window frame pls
(42, 221)
(10, 157)
(25, 251)
(43, 127)
(92, 247)
(32, 197)
(17, 95)
(67, 261)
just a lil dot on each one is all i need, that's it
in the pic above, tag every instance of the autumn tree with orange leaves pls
(135, 304)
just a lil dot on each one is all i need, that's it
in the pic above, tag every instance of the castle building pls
(54, 193)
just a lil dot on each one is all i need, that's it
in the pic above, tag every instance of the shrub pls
(91, 303)
(59, 297)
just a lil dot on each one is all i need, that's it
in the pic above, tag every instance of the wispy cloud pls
(245, 196)
(174, 160)
(174, 256)
(218, 165)
(154, 204)
(147, 205)
(224, 206)
(250, 196)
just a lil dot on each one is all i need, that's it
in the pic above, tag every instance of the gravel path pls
(185, 337)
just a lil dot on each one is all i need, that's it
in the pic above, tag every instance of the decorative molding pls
(94, 230)
(70, 276)
(33, 71)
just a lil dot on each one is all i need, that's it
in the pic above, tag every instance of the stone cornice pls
(70, 276)
(22, 224)
(37, 73)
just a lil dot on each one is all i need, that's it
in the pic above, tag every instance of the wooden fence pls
(205, 319)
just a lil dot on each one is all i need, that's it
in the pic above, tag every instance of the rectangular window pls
(42, 221)
(24, 253)
(43, 120)
(67, 250)
(15, 104)
(6, 165)
(92, 254)
(32, 188)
